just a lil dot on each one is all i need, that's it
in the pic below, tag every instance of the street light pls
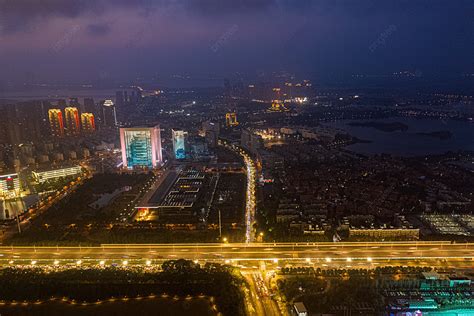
(33, 262)
(349, 259)
(148, 262)
(369, 259)
(78, 262)
(56, 262)
(102, 262)
(328, 259)
(125, 262)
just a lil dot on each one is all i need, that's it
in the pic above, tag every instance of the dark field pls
(160, 306)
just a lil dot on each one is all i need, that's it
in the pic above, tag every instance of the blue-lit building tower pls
(179, 143)
(141, 147)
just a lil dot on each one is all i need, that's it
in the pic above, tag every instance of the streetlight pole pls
(220, 225)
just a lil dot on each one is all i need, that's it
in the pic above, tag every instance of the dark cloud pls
(23, 15)
(321, 35)
(98, 29)
(26, 12)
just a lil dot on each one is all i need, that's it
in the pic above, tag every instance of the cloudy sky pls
(77, 40)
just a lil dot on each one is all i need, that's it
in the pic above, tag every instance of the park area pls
(177, 287)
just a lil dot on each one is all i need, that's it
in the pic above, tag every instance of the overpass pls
(325, 254)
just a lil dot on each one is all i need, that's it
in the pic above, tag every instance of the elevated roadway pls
(286, 253)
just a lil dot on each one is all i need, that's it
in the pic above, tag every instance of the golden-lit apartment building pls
(72, 120)
(231, 119)
(56, 122)
(87, 122)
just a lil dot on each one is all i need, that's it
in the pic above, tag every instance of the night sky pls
(62, 40)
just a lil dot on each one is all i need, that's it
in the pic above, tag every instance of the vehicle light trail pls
(248, 253)
(250, 199)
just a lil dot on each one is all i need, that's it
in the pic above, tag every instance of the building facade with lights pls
(56, 122)
(45, 175)
(179, 143)
(72, 120)
(231, 119)
(9, 186)
(87, 122)
(141, 147)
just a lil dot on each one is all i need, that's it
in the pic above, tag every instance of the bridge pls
(325, 254)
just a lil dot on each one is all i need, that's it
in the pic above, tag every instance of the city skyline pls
(236, 157)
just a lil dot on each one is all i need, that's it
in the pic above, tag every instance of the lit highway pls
(250, 199)
(324, 254)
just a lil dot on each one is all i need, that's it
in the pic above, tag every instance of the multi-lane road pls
(244, 253)
(250, 197)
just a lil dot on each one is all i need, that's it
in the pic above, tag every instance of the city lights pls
(236, 158)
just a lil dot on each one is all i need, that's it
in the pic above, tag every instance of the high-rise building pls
(9, 130)
(72, 120)
(139, 93)
(22, 122)
(74, 102)
(251, 141)
(56, 122)
(109, 115)
(231, 119)
(119, 101)
(179, 143)
(89, 106)
(211, 133)
(62, 104)
(141, 147)
(87, 122)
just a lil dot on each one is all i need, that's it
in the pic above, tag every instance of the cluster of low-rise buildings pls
(450, 224)
(312, 187)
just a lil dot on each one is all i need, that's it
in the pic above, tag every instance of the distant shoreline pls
(437, 134)
(381, 126)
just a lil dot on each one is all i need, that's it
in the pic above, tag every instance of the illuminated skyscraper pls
(141, 147)
(231, 119)
(109, 115)
(87, 122)
(72, 120)
(179, 143)
(56, 122)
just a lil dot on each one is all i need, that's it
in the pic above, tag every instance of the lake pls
(413, 141)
